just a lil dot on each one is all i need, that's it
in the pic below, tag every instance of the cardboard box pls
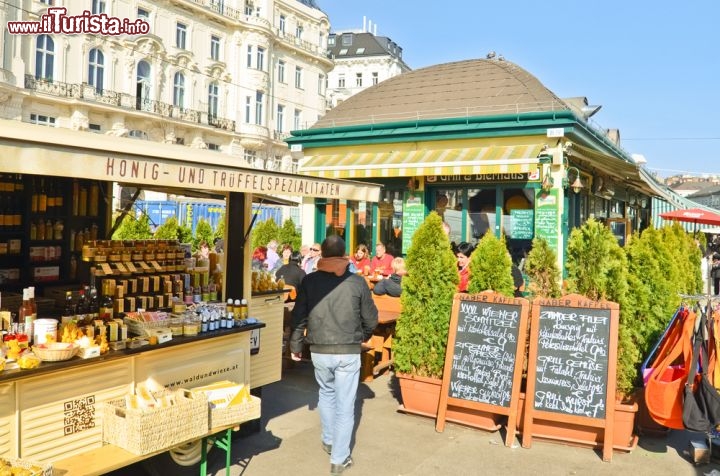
(224, 393)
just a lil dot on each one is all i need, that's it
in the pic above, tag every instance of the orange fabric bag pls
(665, 387)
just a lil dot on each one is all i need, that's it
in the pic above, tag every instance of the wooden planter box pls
(421, 396)
(624, 438)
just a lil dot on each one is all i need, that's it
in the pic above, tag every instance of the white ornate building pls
(362, 59)
(233, 76)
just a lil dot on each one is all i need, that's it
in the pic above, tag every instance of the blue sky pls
(653, 66)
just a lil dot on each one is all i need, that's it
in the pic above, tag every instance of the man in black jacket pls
(336, 309)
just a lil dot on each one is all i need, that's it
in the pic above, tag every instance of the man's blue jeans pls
(338, 376)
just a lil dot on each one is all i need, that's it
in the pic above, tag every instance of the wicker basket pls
(36, 469)
(56, 351)
(146, 431)
(235, 414)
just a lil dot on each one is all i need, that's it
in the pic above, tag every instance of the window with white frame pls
(374, 78)
(281, 25)
(298, 77)
(47, 2)
(213, 99)
(358, 80)
(212, 146)
(259, 107)
(331, 41)
(248, 101)
(249, 8)
(294, 164)
(94, 127)
(341, 81)
(250, 156)
(180, 35)
(179, 90)
(249, 56)
(297, 119)
(44, 57)
(98, 7)
(281, 71)
(143, 14)
(280, 118)
(261, 58)
(42, 120)
(321, 84)
(347, 39)
(96, 69)
(215, 47)
(299, 30)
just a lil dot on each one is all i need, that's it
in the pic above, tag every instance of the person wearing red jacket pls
(381, 264)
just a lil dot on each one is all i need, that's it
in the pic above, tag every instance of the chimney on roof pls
(364, 23)
(614, 136)
(375, 30)
(369, 26)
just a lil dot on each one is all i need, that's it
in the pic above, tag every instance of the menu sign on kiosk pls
(482, 371)
(572, 365)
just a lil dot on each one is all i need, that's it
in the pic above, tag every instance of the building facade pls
(362, 59)
(233, 76)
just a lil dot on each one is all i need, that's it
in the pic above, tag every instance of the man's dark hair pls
(295, 257)
(333, 246)
(465, 248)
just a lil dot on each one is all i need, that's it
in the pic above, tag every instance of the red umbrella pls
(693, 215)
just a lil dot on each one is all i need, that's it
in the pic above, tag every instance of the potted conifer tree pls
(491, 267)
(422, 328)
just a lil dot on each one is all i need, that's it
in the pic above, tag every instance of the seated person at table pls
(463, 252)
(291, 273)
(361, 259)
(381, 262)
(392, 286)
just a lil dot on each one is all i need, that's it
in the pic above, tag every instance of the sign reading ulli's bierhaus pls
(572, 364)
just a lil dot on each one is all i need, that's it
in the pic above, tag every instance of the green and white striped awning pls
(477, 160)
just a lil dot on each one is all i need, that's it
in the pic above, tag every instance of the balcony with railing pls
(218, 7)
(291, 40)
(106, 97)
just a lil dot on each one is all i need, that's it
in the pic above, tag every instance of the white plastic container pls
(43, 327)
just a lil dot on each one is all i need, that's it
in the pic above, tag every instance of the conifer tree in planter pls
(428, 289)
(597, 268)
(491, 267)
(542, 269)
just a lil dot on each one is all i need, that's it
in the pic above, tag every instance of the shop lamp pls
(547, 183)
(577, 183)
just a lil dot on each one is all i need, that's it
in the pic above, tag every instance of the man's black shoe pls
(337, 469)
(326, 447)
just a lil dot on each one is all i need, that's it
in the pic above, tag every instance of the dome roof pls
(478, 87)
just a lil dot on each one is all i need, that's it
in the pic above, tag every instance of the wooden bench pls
(378, 349)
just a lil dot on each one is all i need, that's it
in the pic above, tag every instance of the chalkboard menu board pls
(572, 361)
(572, 366)
(547, 223)
(413, 215)
(484, 352)
(483, 368)
(522, 224)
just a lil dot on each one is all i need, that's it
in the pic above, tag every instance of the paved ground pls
(389, 443)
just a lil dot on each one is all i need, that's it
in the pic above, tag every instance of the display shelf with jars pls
(146, 274)
(40, 220)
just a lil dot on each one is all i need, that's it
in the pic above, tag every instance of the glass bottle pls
(94, 199)
(34, 198)
(81, 307)
(41, 229)
(106, 302)
(82, 207)
(69, 310)
(59, 199)
(76, 198)
(25, 313)
(42, 198)
(93, 300)
(50, 197)
(73, 267)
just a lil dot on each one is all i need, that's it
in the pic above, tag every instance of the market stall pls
(53, 412)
